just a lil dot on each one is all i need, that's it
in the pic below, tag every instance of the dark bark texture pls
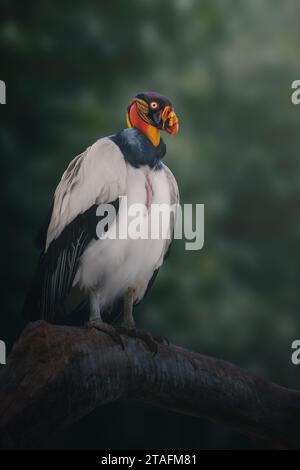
(57, 374)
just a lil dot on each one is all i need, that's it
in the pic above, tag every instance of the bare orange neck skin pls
(134, 120)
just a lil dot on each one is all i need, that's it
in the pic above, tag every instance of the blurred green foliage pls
(71, 69)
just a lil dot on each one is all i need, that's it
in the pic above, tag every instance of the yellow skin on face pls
(138, 117)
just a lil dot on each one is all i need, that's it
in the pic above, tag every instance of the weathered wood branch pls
(57, 374)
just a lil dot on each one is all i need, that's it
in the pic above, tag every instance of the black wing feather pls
(53, 279)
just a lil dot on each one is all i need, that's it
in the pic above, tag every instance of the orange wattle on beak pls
(170, 121)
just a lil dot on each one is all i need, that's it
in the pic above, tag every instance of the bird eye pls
(153, 105)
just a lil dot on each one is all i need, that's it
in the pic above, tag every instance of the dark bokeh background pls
(71, 68)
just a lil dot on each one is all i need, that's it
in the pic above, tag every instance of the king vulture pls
(84, 278)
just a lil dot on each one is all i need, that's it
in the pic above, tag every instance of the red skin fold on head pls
(135, 119)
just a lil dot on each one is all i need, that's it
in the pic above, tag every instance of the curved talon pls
(108, 329)
(161, 339)
(116, 333)
(132, 332)
(148, 340)
(146, 337)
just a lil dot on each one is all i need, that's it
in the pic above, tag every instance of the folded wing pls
(95, 177)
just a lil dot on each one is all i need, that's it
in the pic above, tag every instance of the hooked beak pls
(170, 121)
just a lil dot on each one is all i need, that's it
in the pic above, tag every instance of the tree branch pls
(57, 374)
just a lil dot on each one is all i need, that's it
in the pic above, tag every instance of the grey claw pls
(146, 337)
(161, 340)
(108, 329)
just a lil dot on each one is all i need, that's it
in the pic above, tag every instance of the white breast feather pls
(111, 266)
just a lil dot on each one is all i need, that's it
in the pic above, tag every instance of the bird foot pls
(108, 329)
(161, 340)
(150, 340)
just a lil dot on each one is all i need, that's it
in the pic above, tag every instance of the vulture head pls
(151, 112)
